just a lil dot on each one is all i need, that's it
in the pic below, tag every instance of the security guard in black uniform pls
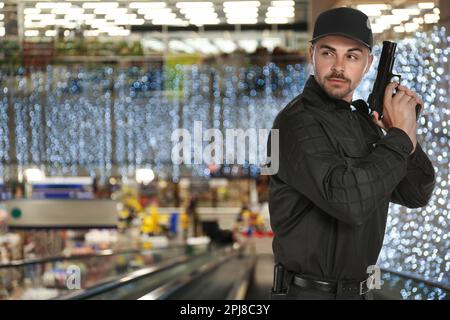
(338, 170)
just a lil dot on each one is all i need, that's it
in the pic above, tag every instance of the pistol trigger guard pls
(397, 76)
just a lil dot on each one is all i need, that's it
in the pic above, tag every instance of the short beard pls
(338, 95)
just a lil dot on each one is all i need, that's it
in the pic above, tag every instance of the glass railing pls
(54, 277)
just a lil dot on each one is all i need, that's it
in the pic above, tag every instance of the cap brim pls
(340, 34)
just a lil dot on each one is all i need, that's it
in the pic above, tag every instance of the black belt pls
(346, 287)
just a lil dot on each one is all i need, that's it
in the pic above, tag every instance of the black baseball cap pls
(347, 22)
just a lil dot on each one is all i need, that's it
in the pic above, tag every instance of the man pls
(338, 169)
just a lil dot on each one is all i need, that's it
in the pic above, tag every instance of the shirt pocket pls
(352, 147)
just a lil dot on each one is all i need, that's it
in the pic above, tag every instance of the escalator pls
(193, 272)
(48, 278)
(220, 273)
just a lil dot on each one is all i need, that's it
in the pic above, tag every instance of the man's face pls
(339, 65)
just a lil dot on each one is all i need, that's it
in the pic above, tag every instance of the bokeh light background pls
(106, 120)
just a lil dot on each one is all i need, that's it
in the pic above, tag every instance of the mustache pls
(338, 76)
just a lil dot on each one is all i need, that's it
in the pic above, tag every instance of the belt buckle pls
(368, 283)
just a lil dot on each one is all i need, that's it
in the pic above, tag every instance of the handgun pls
(384, 77)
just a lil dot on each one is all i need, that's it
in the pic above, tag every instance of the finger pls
(389, 91)
(398, 95)
(375, 120)
(407, 91)
(419, 100)
(402, 88)
(411, 93)
(407, 100)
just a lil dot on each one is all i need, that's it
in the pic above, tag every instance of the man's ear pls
(369, 63)
(311, 52)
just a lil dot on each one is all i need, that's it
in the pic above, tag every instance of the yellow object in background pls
(147, 245)
(154, 214)
(148, 225)
(184, 221)
(134, 203)
(123, 214)
(246, 214)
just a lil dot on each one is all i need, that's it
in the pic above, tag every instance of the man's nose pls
(338, 65)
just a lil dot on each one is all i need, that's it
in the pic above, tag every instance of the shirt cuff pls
(418, 159)
(399, 141)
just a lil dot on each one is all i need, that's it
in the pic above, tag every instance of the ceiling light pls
(94, 5)
(411, 27)
(194, 5)
(31, 11)
(169, 22)
(392, 19)
(411, 12)
(41, 16)
(154, 11)
(118, 32)
(426, 5)
(240, 4)
(378, 27)
(280, 9)
(242, 15)
(190, 10)
(67, 11)
(233, 9)
(33, 174)
(147, 5)
(52, 5)
(248, 45)
(275, 14)
(242, 21)
(50, 33)
(160, 16)
(373, 7)
(276, 20)
(371, 12)
(431, 18)
(225, 45)
(201, 15)
(110, 10)
(201, 22)
(282, 3)
(115, 16)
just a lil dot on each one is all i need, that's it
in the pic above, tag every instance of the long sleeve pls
(415, 189)
(349, 189)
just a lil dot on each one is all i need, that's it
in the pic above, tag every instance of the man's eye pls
(352, 57)
(327, 53)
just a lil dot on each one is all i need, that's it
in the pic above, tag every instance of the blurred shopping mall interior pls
(97, 202)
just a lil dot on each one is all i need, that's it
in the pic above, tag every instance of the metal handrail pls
(171, 287)
(124, 280)
(102, 253)
(417, 278)
(239, 290)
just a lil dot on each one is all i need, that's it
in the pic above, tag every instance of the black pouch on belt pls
(278, 287)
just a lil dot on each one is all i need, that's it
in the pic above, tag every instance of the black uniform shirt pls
(337, 174)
